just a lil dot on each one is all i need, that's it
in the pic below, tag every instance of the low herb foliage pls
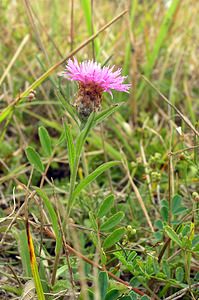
(99, 170)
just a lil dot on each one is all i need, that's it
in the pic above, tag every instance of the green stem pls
(72, 184)
(56, 262)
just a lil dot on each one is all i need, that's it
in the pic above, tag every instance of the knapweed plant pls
(92, 81)
(85, 110)
(102, 194)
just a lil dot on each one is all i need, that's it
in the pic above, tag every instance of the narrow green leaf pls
(103, 284)
(67, 106)
(128, 43)
(93, 176)
(173, 235)
(159, 42)
(131, 256)
(105, 206)
(164, 29)
(101, 116)
(112, 221)
(34, 159)
(86, 7)
(70, 146)
(45, 141)
(114, 237)
(83, 135)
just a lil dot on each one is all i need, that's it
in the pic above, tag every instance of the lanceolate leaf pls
(173, 235)
(34, 159)
(105, 206)
(112, 221)
(70, 146)
(93, 176)
(113, 237)
(45, 140)
(83, 134)
(101, 116)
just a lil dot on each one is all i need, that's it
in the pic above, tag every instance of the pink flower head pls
(93, 81)
(92, 73)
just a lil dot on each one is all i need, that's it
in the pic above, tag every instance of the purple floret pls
(90, 72)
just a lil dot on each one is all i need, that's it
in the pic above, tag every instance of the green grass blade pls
(128, 48)
(164, 29)
(163, 32)
(101, 116)
(86, 6)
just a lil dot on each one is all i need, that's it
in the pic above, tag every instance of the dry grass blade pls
(138, 196)
(181, 293)
(184, 118)
(29, 291)
(13, 211)
(21, 46)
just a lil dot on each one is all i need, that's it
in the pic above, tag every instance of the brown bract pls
(88, 99)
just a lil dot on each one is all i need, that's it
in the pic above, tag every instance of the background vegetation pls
(132, 232)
